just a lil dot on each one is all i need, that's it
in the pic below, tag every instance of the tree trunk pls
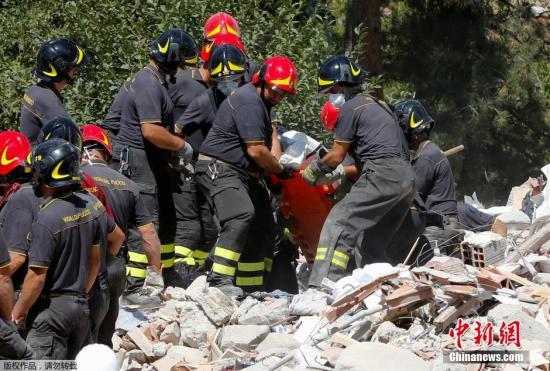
(367, 13)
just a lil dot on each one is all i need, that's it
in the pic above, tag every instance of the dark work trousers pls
(61, 328)
(374, 209)
(196, 231)
(247, 229)
(12, 345)
(445, 238)
(116, 270)
(98, 304)
(158, 183)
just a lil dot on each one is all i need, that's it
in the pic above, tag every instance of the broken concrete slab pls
(171, 334)
(378, 356)
(243, 337)
(170, 310)
(176, 293)
(268, 312)
(137, 355)
(309, 303)
(143, 343)
(217, 306)
(530, 328)
(195, 328)
(245, 306)
(276, 344)
(197, 287)
(186, 354)
(160, 349)
(542, 279)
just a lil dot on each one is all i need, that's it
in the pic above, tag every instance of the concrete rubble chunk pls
(542, 279)
(243, 337)
(309, 303)
(276, 344)
(176, 293)
(378, 356)
(186, 354)
(387, 332)
(245, 306)
(197, 287)
(530, 328)
(160, 349)
(137, 355)
(268, 312)
(171, 310)
(216, 305)
(171, 334)
(143, 343)
(195, 327)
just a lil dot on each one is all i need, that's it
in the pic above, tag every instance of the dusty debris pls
(243, 337)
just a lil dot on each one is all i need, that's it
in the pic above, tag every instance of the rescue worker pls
(64, 254)
(57, 65)
(434, 176)
(379, 200)
(227, 70)
(146, 145)
(129, 211)
(14, 148)
(12, 346)
(66, 129)
(232, 160)
(472, 219)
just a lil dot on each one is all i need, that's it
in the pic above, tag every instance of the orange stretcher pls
(308, 206)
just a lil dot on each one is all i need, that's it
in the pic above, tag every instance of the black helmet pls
(227, 63)
(56, 58)
(56, 163)
(173, 48)
(413, 118)
(63, 128)
(340, 70)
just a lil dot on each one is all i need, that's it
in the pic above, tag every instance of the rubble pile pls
(380, 318)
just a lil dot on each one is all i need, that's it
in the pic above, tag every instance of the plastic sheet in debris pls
(297, 147)
(361, 276)
(127, 320)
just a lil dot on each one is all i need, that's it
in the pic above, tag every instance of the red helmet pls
(329, 116)
(219, 24)
(279, 73)
(95, 134)
(208, 49)
(14, 149)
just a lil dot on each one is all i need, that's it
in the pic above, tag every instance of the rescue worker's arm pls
(352, 172)
(93, 268)
(31, 290)
(424, 174)
(115, 239)
(6, 293)
(17, 260)
(336, 154)
(160, 137)
(260, 154)
(151, 245)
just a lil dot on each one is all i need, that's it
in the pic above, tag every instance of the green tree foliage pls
(116, 34)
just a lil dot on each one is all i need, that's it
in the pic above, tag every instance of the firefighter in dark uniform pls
(227, 68)
(67, 130)
(146, 145)
(64, 256)
(380, 199)
(129, 211)
(434, 176)
(58, 63)
(14, 148)
(472, 219)
(111, 122)
(232, 160)
(12, 346)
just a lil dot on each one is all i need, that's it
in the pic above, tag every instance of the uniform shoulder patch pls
(28, 99)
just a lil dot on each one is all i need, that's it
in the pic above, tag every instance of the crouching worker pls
(64, 254)
(380, 199)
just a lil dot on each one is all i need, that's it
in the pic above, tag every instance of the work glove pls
(185, 154)
(287, 173)
(154, 283)
(333, 176)
(314, 171)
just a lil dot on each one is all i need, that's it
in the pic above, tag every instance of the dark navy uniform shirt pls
(123, 195)
(16, 219)
(241, 119)
(196, 121)
(474, 219)
(434, 179)
(62, 236)
(4, 256)
(188, 85)
(370, 128)
(40, 103)
(111, 122)
(147, 102)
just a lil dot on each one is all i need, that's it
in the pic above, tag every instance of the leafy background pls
(481, 68)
